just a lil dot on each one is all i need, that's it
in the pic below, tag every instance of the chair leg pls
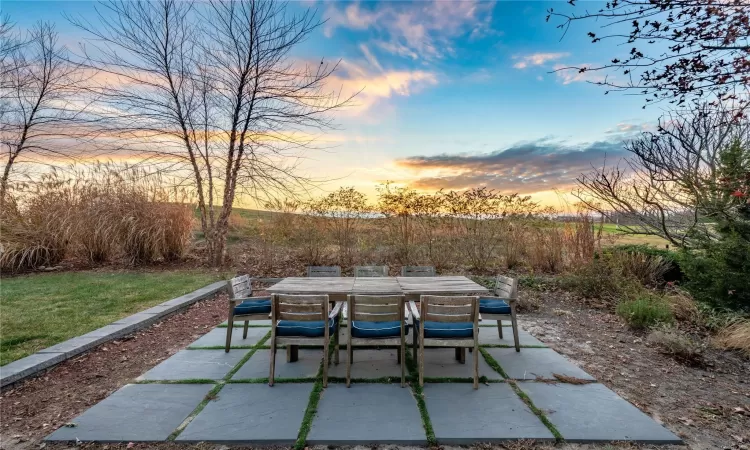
(414, 345)
(514, 325)
(348, 356)
(402, 353)
(500, 328)
(476, 367)
(273, 361)
(325, 363)
(336, 347)
(421, 363)
(230, 325)
(244, 332)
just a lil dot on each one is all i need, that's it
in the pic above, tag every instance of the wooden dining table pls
(339, 287)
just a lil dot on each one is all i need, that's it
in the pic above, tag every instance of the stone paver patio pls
(202, 394)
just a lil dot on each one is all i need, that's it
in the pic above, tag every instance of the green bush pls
(720, 274)
(645, 312)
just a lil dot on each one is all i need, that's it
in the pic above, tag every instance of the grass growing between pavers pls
(213, 393)
(41, 310)
(538, 412)
(429, 432)
(492, 363)
(525, 398)
(312, 404)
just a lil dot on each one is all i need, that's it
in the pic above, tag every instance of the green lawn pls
(40, 310)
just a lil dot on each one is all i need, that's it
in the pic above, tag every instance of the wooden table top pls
(378, 285)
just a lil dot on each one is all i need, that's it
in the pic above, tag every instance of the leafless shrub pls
(678, 344)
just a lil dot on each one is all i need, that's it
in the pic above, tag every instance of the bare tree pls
(40, 101)
(675, 49)
(669, 186)
(210, 90)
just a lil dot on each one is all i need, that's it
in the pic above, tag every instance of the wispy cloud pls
(526, 167)
(537, 59)
(375, 84)
(423, 29)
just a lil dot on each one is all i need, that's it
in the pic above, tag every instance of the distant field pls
(642, 239)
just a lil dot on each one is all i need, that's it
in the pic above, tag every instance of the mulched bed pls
(32, 409)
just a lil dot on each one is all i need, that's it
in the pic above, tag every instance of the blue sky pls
(454, 93)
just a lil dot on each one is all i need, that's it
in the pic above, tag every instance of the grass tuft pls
(538, 412)
(429, 432)
(494, 364)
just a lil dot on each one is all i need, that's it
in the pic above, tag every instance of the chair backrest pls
(506, 287)
(240, 287)
(375, 308)
(305, 308)
(323, 271)
(439, 308)
(417, 271)
(371, 271)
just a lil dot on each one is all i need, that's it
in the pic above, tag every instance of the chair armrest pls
(336, 310)
(414, 310)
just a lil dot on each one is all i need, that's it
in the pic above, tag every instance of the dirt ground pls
(709, 406)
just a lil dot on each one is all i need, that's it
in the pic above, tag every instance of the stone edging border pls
(50, 356)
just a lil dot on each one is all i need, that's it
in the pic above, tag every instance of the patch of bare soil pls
(32, 409)
(708, 406)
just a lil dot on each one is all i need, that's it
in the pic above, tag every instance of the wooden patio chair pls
(243, 306)
(303, 320)
(323, 271)
(371, 271)
(447, 321)
(502, 305)
(376, 320)
(418, 271)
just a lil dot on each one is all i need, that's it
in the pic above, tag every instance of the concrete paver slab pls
(530, 363)
(489, 336)
(194, 364)
(591, 412)
(369, 364)
(218, 337)
(367, 414)
(251, 414)
(461, 415)
(137, 412)
(442, 363)
(258, 365)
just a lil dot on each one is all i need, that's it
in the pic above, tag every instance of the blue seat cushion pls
(303, 328)
(493, 306)
(363, 329)
(448, 329)
(260, 306)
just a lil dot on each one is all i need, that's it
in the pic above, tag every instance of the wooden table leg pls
(461, 355)
(292, 353)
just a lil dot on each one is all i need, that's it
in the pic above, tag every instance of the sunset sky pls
(455, 94)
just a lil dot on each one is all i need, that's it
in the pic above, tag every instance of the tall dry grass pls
(101, 213)
(735, 337)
